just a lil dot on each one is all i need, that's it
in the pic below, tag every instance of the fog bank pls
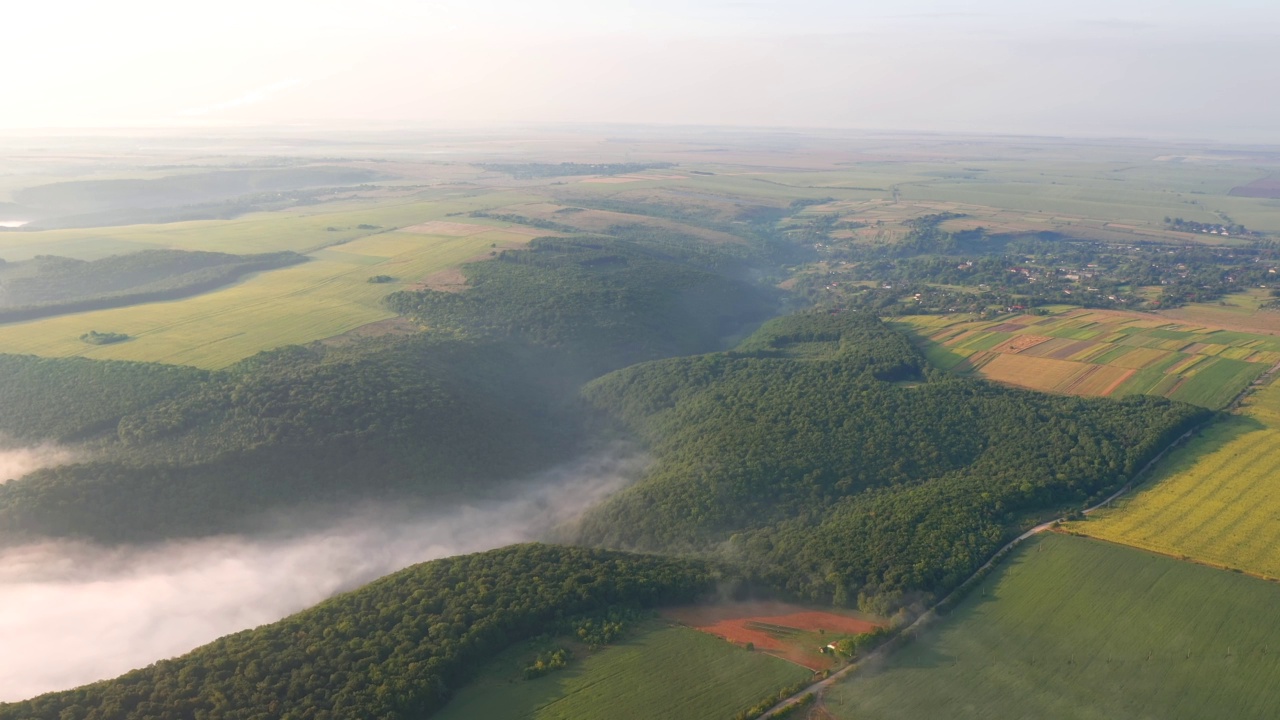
(16, 462)
(72, 613)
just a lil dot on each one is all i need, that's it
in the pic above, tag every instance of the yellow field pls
(318, 299)
(1216, 500)
(1031, 372)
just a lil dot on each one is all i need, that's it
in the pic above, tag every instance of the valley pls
(681, 430)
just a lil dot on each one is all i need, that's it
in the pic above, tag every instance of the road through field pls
(930, 615)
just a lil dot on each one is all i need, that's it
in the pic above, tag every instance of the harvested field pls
(1033, 372)
(1020, 343)
(444, 227)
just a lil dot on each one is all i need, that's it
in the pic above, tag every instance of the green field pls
(1075, 628)
(1216, 500)
(657, 672)
(324, 297)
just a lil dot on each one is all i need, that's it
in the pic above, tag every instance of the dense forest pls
(179, 451)
(605, 302)
(488, 395)
(396, 648)
(825, 457)
(50, 285)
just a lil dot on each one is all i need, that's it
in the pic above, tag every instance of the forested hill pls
(488, 393)
(396, 648)
(826, 457)
(179, 452)
(605, 302)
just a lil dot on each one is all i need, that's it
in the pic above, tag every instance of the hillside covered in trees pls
(396, 648)
(488, 394)
(825, 457)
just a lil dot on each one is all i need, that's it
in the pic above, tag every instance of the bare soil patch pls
(444, 227)
(792, 632)
(390, 326)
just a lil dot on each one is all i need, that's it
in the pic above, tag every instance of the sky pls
(1146, 68)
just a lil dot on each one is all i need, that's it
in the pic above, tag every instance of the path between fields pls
(820, 687)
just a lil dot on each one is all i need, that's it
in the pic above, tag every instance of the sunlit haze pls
(1134, 68)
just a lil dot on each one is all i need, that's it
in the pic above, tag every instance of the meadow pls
(657, 671)
(326, 296)
(1214, 500)
(1099, 353)
(1079, 628)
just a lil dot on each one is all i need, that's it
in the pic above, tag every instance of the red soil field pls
(731, 621)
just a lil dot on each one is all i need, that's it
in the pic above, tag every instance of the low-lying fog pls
(16, 462)
(71, 613)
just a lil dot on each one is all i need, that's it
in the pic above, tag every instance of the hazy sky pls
(1197, 68)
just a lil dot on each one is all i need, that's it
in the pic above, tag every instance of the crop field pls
(1071, 627)
(299, 229)
(792, 632)
(326, 296)
(1100, 353)
(657, 672)
(1216, 500)
(1242, 312)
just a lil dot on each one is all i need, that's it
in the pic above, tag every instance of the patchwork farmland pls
(1100, 353)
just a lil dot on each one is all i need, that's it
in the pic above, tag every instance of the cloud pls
(72, 613)
(250, 98)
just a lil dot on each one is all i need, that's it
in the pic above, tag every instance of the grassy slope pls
(655, 673)
(1216, 500)
(321, 298)
(1072, 627)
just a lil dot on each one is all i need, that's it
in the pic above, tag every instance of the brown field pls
(742, 622)
(1033, 372)
(1020, 343)
(1100, 382)
(444, 227)
(1264, 322)
(447, 280)
(1063, 349)
(1263, 188)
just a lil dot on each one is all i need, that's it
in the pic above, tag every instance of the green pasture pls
(301, 229)
(326, 296)
(656, 672)
(1070, 627)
